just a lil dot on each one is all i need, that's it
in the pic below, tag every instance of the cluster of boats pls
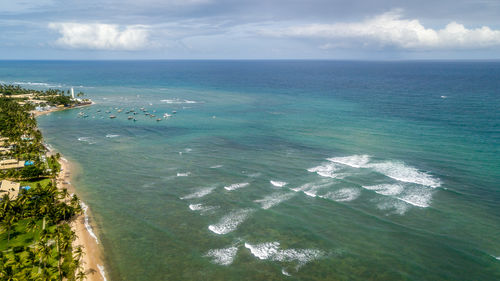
(133, 113)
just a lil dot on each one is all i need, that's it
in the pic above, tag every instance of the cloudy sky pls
(256, 29)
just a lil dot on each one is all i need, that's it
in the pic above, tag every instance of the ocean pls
(284, 170)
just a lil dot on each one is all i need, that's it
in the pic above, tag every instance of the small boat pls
(112, 116)
(158, 120)
(107, 111)
(135, 119)
(98, 110)
(166, 115)
(174, 112)
(120, 110)
(147, 113)
(152, 115)
(130, 117)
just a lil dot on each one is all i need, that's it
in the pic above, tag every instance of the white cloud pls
(390, 29)
(101, 36)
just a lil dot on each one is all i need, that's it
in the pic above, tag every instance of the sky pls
(256, 29)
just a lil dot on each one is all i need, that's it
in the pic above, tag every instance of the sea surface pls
(284, 170)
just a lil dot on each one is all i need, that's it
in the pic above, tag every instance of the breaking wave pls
(278, 183)
(274, 199)
(223, 256)
(200, 193)
(86, 222)
(177, 101)
(230, 222)
(88, 140)
(342, 195)
(236, 186)
(355, 161)
(311, 189)
(102, 272)
(413, 195)
(392, 169)
(271, 251)
(202, 208)
(112, 136)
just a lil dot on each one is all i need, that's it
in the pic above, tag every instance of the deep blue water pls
(285, 170)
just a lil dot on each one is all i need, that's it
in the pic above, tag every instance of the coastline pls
(92, 260)
(54, 109)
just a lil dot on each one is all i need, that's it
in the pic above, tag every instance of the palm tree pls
(9, 219)
(32, 224)
(81, 275)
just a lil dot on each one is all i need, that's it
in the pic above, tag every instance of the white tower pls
(72, 93)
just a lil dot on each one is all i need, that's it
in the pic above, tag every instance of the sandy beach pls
(92, 259)
(37, 113)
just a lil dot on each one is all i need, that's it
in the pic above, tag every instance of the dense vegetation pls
(36, 241)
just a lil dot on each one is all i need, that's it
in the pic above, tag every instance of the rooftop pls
(9, 187)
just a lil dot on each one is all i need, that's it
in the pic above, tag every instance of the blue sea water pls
(284, 170)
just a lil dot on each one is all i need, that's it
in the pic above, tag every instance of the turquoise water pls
(285, 170)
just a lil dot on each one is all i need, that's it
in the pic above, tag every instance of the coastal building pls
(9, 187)
(3, 141)
(4, 150)
(11, 164)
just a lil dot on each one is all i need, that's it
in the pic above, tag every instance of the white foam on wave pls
(236, 186)
(311, 189)
(86, 222)
(498, 258)
(284, 272)
(393, 169)
(414, 195)
(263, 251)
(278, 183)
(199, 193)
(274, 199)
(355, 161)
(342, 195)
(223, 256)
(112, 136)
(326, 170)
(216, 166)
(398, 207)
(88, 140)
(40, 84)
(177, 101)
(102, 272)
(195, 207)
(313, 185)
(183, 174)
(230, 222)
(202, 208)
(311, 193)
(417, 197)
(272, 251)
(386, 189)
(404, 173)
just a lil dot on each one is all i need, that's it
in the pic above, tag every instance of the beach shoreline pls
(37, 113)
(92, 260)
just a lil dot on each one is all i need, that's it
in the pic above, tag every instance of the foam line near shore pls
(87, 224)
